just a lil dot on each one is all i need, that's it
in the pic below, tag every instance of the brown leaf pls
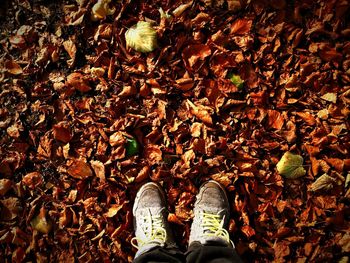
(99, 169)
(12, 67)
(338, 164)
(79, 169)
(241, 26)
(330, 54)
(184, 84)
(153, 153)
(11, 208)
(78, 81)
(201, 112)
(248, 74)
(32, 180)
(71, 49)
(62, 132)
(113, 210)
(275, 119)
(194, 53)
(248, 231)
(117, 139)
(307, 117)
(17, 41)
(5, 185)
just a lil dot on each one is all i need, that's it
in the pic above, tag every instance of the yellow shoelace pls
(212, 225)
(153, 230)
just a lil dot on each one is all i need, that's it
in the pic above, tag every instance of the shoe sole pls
(139, 192)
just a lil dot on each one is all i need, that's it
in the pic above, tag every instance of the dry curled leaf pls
(5, 185)
(153, 153)
(101, 9)
(13, 67)
(78, 81)
(62, 132)
(324, 182)
(79, 169)
(32, 180)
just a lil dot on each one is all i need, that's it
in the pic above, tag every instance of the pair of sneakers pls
(211, 216)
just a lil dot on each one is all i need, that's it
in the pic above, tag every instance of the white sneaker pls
(150, 219)
(211, 215)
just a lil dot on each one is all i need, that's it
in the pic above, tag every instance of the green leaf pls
(236, 80)
(290, 166)
(132, 147)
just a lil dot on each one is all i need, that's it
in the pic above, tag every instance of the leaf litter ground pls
(230, 88)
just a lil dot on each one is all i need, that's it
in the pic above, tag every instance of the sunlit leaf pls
(324, 182)
(141, 37)
(290, 166)
(236, 80)
(41, 223)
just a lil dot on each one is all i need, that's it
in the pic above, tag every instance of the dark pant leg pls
(211, 253)
(161, 255)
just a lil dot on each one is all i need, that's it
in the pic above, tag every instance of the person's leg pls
(153, 236)
(209, 240)
(211, 253)
(160, 255)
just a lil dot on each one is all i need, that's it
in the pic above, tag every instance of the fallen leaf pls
(62, 132)
(290, 166)
(12, 67)
(33, 180)
(99, 169)
(142, 37)
(132, 147)
(331, 97)
(71, 49)
(79, 169)
(236, 80)
(113, 210)
(117, 139)
(324, 182)
(78, 81)
(194, 53)
(153, 153)
(5, 185)
(201, 112)
(41, 223)
(101, 9)
(241, 26)
(275, 119)
(11, 208)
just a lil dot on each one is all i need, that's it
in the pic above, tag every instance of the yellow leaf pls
(41, 223)
(324, 182)
(331, 97)
(141, 37)
(101, 9)
(290, 166)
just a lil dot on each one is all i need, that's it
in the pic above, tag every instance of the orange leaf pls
(61, 132)
(275, 119)
(13, 68)
(193, 53)
(79, 170)
(307, 117)
(241, 26)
